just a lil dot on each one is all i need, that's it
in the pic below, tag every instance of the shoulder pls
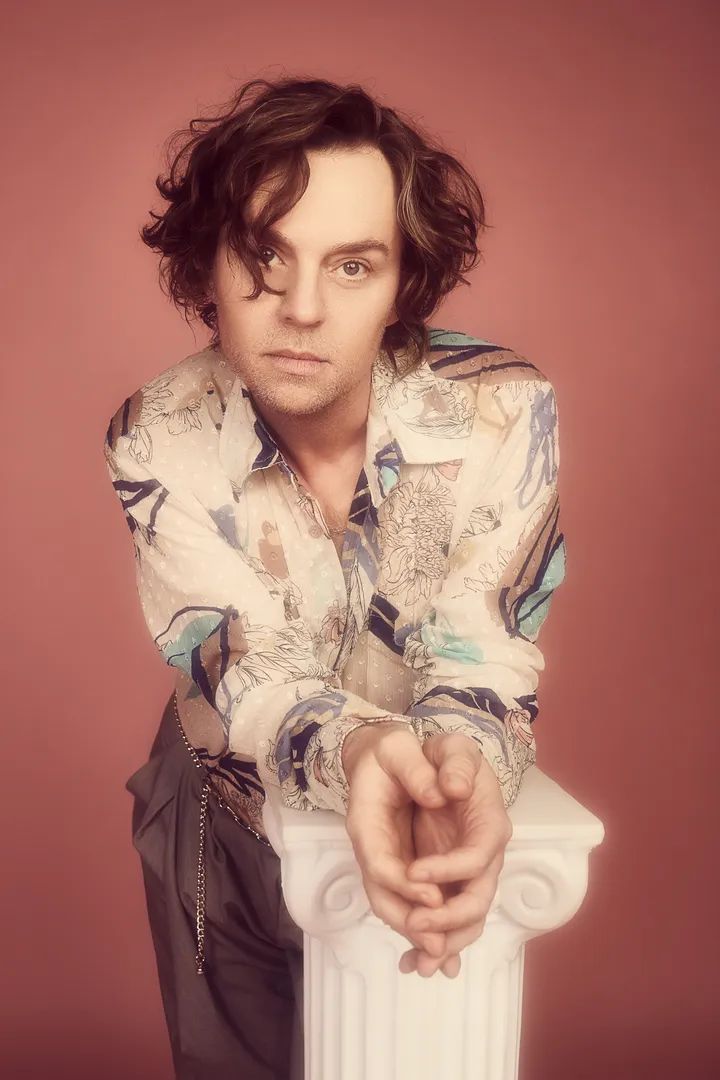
(183, 396)
(498, 379)
(457, 356)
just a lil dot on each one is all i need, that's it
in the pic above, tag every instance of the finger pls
(457, 940)
(457, 761)
(393, 912)
(407, 961)
(467, 907)
(459, 912)
(389, 871)
(461, 864)
(401, 756)
(457, 772)
(427, 966)
(382, 841)
(451, 966)
(383, 846)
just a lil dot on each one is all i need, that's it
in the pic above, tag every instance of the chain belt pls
(207, 789)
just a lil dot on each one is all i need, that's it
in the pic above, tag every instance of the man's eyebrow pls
(273, 236)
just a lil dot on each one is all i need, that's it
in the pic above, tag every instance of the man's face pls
(334, 305)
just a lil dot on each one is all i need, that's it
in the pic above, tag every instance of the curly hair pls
(266, 128)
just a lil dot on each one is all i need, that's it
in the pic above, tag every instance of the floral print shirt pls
(431, 612)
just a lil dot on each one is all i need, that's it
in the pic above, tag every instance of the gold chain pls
(206, 790)
(337, 532)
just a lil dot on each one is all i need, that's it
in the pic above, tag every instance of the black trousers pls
(243, 1018)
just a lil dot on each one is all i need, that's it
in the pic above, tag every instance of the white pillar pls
(364, 1019)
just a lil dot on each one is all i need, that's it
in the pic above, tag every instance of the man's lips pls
(294, 364)
(299, 356)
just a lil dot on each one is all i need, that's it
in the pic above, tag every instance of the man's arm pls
(210, 613)
(478, 663)
(475, 652)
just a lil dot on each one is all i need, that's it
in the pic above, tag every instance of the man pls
(345, 557)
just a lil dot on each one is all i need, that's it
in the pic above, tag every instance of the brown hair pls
(266, 128)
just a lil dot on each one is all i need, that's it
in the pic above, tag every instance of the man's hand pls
(435, 808)
(388, 774)
(460, 846)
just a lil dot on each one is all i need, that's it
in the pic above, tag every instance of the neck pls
(312, 443)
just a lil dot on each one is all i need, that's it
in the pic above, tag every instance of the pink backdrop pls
(590, 129)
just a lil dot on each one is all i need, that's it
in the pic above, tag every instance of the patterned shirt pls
(429, 615)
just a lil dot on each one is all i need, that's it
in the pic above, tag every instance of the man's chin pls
(289, 404)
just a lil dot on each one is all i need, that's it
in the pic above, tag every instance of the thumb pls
(403, 758)
(457, 759)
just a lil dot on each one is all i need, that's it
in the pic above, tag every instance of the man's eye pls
(349, 262)
(362, 266)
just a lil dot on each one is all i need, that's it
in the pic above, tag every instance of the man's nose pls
(303, 301)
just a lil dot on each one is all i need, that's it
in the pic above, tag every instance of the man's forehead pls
(346, 199)
(375, 234)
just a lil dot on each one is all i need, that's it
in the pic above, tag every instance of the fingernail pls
(458, 780)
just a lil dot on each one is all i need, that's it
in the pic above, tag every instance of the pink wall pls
(590, 128)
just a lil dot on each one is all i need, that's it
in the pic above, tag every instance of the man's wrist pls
(364, 736)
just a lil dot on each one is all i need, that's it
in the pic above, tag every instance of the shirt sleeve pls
(232, 630)
(475, 651)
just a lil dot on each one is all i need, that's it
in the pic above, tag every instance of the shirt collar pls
(415, 418)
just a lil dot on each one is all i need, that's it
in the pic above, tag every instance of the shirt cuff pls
(301, 755)
(327, 782)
